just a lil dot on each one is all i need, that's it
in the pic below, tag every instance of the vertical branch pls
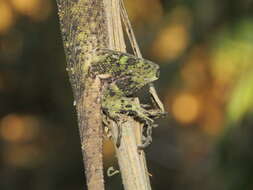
(131, 161)
(78, 44)
(86, 25)
(90, 129)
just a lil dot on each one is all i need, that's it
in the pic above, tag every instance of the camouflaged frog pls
(125, 75)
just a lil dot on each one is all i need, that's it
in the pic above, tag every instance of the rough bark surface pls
(89, 118)
(132, 162)
(84, 30)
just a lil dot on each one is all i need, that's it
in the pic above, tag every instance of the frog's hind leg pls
(130, 107)
(111, 113)
(116, 106)
(146, 140)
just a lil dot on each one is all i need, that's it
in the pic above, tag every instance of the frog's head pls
(144, 73)
(142, 70)
(137, 73)
(150, 71)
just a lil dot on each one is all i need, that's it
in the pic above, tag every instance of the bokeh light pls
(17, 128)
(6, 17)
(139, 11)
(38, 10)
(170, 42)
(173, 39)
(232, 52)
(185, 108)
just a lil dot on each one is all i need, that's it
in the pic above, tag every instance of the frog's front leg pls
(146, 139)
(115, 106)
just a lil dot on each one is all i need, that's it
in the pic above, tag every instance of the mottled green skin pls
(125, 74)
(84, 29)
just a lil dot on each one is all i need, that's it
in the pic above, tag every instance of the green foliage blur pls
(205, 51)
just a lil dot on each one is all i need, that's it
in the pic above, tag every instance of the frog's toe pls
(146, 141)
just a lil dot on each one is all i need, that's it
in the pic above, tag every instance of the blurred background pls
(205, 51)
